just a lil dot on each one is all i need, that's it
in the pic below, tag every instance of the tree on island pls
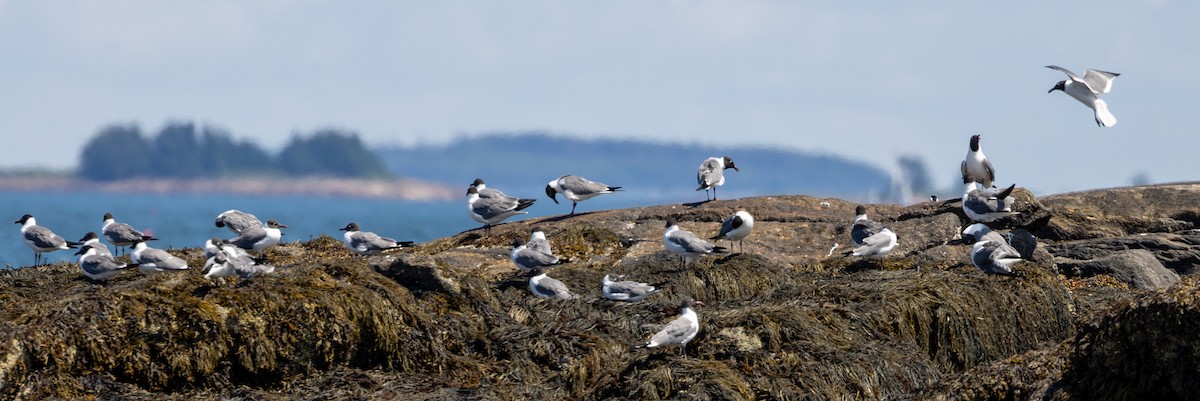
(181, 150)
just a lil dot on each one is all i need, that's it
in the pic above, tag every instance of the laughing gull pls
(630, 291)
(979, 232)
(93, 240)
(233, 261)
(686, 244)
(120, 234)
(863, 227)
(237, 221)
(41, 239)
(485, 192)
(991, 253)
(577, 189)
(491, 211)
(259, 238)
(212, 246)
(1087, 90)
(712, 174)
(527, 259)
(976, 167)
(736, 228)
(538, 241)
(545, 287)
(679, 331)
(368, 243)
(99, 266)
(987, 205)
(153, 260)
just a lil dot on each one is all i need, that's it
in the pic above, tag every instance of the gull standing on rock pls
(99, 266)
(527, 259)
(41, 239)
(577, 189)
(491, 211)
(992, 254)
(538, 241)
(153, 260)
(93, 240)
(987, 205)
(869, 237)
(1087, 90)
(686, 244)
(368, 243)
(237, 221)
(680, 331)
(545, 287)
(712, 174)
(736, 228)
(230, 261)
(260, 238)
(120, 234)
(630, 291)
(976, 167)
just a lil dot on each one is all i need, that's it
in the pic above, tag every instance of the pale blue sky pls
(870, 82)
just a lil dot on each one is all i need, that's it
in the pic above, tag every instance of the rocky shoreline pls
(1106, 309)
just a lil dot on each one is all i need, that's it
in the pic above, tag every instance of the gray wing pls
(731, 223)
(674, 333)
(237, 221)
(161, 259)
(248, 238)
(371, 241)
(493, 193)
(989, 255)
(492, 207)
(122, 233)
(991, 173)
(245, 266)
(984, 202)
(863, 229)
(100, 264)
(540, 245)
(581, 186)
(874, 244)
(42, 237)
(530, 258)
(690, 242)
(1099, 81)
(631, 289)
(710, 172)
(1065, 71)
(554, 288)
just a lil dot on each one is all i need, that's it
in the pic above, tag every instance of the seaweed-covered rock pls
(1138, 267)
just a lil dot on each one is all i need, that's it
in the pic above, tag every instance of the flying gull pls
(120, 234)
(628, 290)
(987, 205)
(93, 240)
(153, 260)
(368, 243)
(259, 238)
(712, 174)
(99, 266)
(679, 331)
(686, 244)
(577, 189)
(527, 259)
(491, 211)
(736, 228)
(1087, 90)
(976, 167)
(545, 287)
(41, 239)
(237, 221)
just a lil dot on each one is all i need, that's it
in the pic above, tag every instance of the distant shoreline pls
(396, 188)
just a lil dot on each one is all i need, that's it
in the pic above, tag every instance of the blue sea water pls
(186, 220)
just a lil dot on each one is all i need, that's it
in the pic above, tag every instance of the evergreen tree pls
(116, 152)
(177, 153)
(330, 152)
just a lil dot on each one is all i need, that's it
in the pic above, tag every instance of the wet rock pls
(1138, 267)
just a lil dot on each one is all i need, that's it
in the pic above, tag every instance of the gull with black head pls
(368, 243)
(1087, 90)
(41, 239)
(577, 189)
(712, 174)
